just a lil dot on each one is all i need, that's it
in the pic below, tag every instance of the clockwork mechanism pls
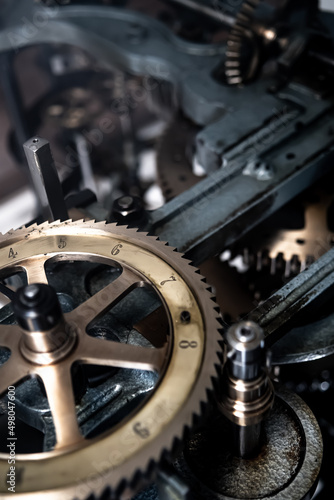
(66, 343)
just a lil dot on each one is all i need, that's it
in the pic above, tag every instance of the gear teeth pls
(235, 81)
(247, 7)
(233, 38)
(243, 19)
(238, 30)
(232, 54)
(233, 64)
(233, 72)
(233, 51)
(57, 221)
(277, 264)
(239, 33)
(201, 390)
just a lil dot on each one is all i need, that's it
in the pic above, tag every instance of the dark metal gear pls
(269, 30)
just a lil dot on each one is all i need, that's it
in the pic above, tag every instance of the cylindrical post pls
(247, 394)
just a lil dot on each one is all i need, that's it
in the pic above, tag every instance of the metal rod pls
(45, 179)
(247, 440)
(10, 294)
(302, 294)
(247, 393)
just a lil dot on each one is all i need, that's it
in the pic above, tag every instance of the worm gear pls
(116, 458)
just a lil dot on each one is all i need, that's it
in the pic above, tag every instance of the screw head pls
(37, 307)
(126, 202)
(128, 209)
(245, 333)
(31, 292)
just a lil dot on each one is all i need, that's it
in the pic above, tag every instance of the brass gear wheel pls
(185, 364)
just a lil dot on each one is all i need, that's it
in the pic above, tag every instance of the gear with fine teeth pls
(242, 53)
(51, 345)
(288, 251)
(265, 31)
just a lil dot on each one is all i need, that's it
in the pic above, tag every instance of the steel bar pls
(308, 290)
(227, 204)
(45, 179)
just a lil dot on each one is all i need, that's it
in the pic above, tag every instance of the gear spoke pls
(36, 271)
(103, 300)
(168, 355)
(9, 336)
(7, 291)
(108, 353)
(58, 386)
(154, 327)
(11, 372)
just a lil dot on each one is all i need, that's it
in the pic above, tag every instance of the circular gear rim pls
(142, 463)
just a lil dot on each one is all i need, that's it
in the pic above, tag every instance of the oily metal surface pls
(297, 300)
(286, 468)
(309, 342)
(186, 363)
